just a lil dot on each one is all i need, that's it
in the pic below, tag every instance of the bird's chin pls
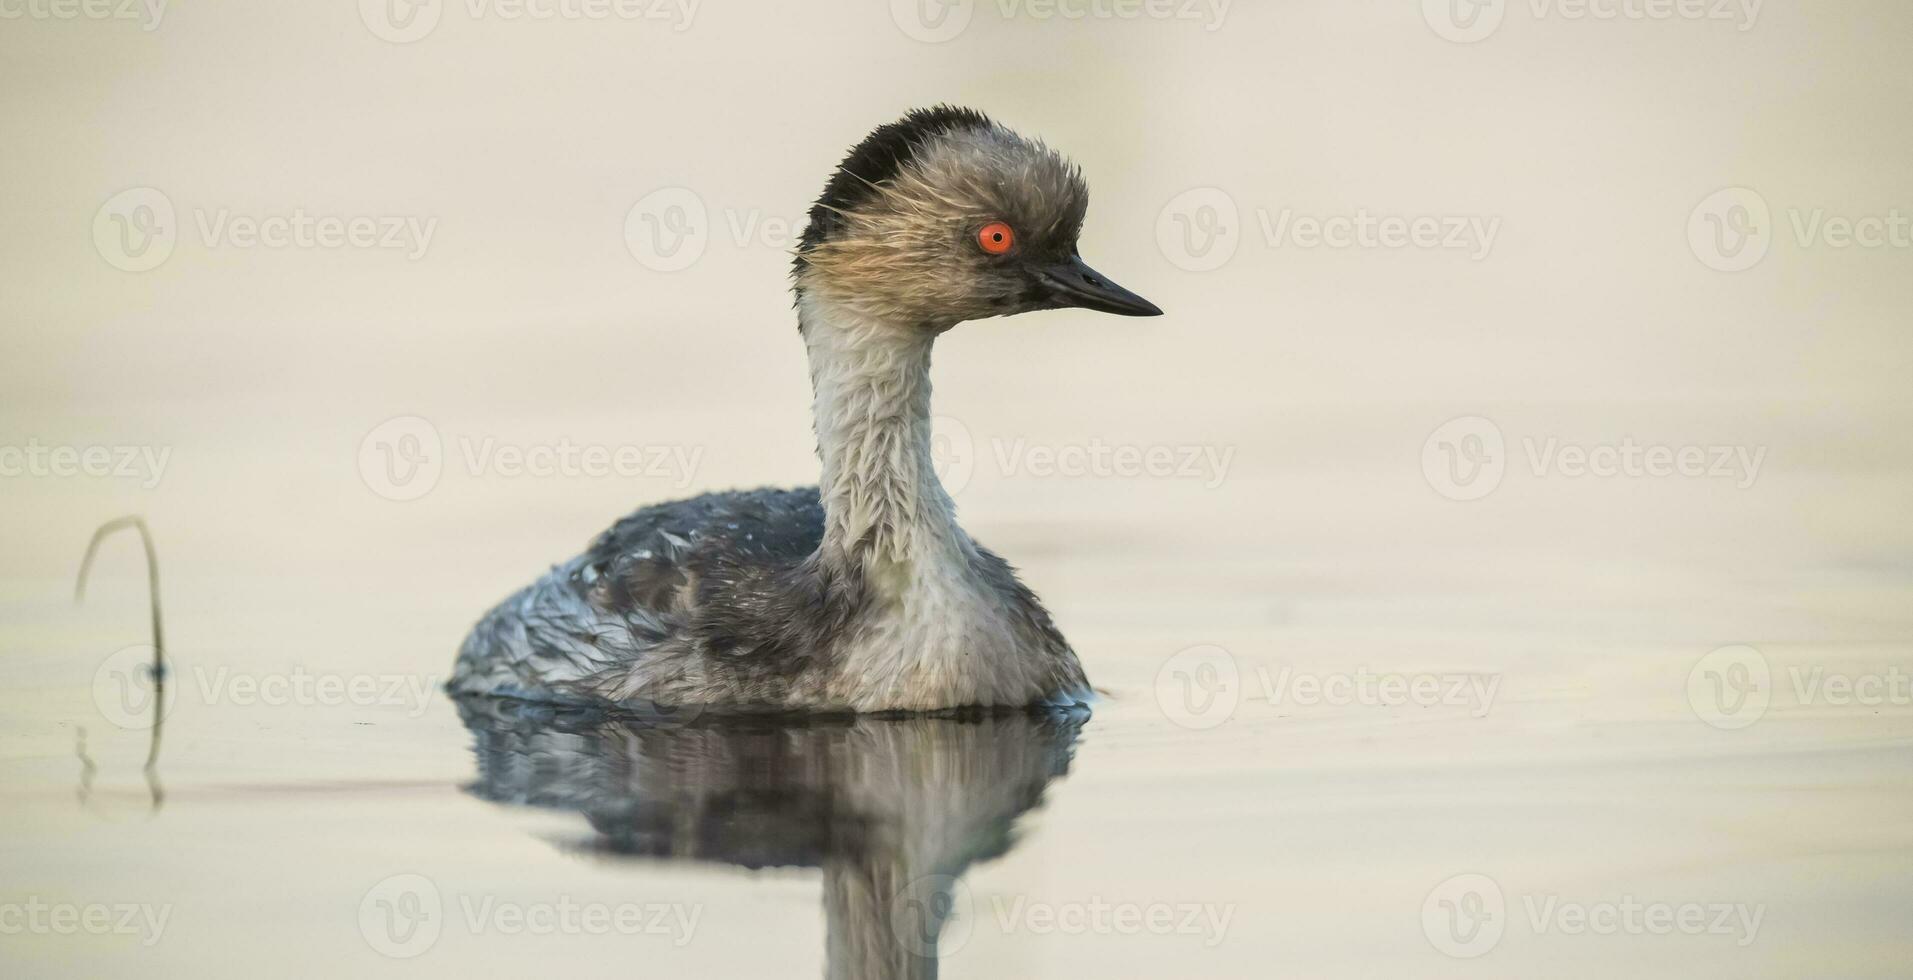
(1042, 304)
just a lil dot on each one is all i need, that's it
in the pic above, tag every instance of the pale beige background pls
(529, 321)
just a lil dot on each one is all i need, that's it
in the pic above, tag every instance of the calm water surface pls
(1215, 815)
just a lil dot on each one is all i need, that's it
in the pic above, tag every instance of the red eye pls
(996, 237)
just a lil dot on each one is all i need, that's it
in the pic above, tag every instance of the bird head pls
(946, 216)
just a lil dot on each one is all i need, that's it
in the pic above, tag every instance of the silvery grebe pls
(861, 594)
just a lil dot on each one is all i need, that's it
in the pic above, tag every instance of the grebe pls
(861, 594)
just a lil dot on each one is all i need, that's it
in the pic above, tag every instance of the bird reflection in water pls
(892, 810)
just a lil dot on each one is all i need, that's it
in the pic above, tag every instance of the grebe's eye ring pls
(996, 238)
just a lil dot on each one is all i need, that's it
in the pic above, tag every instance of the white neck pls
(885, 511)
(934, 629)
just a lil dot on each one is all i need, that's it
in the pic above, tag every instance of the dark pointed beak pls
(1072, 283)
